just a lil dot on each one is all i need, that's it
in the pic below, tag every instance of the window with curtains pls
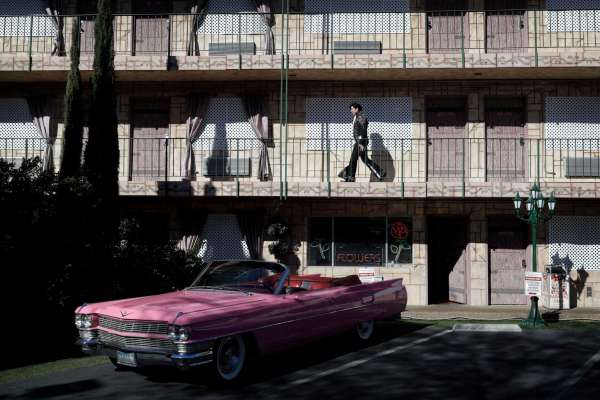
(221, 239)
(226, 127)
(347, 17)
(573, 16)
(16, 19)
(17, 130)
(232, 17)
(572, 123)
(575, 242)
(329, 119)
(359, 241)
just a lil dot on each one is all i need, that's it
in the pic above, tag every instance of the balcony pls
(443, 44)
(416, 168)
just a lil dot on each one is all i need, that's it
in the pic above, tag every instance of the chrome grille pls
(122, 325)
(136, 342)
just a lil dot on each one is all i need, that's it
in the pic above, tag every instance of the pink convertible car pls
(234, 309)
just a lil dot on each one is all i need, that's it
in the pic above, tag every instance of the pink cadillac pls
(232, 310)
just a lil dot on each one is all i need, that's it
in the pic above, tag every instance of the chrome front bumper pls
(151, 357)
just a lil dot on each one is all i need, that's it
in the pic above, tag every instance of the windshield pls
(247, 276)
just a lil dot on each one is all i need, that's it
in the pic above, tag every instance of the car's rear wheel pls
(364, 329)
(230, 358)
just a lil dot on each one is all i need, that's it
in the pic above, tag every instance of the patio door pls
(506, 25)
(88, 11)
(506, 146)
(507, 241)
(150, 126)
(447, 155)
(151, 23)
(447, 25)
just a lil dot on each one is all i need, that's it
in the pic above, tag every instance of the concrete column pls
(477, 253)
(475, 146)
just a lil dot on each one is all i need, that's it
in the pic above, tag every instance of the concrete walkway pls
(460, 311)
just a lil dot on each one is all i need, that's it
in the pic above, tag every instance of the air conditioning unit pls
(224, 166)
(356, 47)
(582, 167)
(223, 49)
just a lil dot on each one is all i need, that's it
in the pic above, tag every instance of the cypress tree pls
(101, 159)
(73, 114)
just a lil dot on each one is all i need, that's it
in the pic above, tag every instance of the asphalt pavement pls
(405, 359)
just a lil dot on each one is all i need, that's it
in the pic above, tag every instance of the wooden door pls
(507, 242)
(506, 147)
(506, 25)
(151, 26)
(447, 267)
(447, 25)
(150, 126)
(447, 145)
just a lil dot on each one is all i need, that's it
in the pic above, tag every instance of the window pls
(360, 241)
(221, 239)
(572, 117)
(16, 20)
(227, 127)
(575, 242)
(573, 16)
(341, 16)
(232, 17)
(17, 130)
(329, 122)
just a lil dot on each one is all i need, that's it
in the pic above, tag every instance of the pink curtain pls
(256, 112)
(263, 7)
(197, 106)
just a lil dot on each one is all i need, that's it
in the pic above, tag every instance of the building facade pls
(233, 114)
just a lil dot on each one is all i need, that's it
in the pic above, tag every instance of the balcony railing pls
(302, 160)
(492, 31)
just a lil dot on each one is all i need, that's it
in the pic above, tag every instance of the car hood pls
(166, 307)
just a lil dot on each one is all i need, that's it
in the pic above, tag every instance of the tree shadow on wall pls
(577, 284)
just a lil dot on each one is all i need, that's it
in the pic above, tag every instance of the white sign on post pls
(533, 284)
(366, 274)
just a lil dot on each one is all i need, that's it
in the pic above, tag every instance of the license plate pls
(126, 359)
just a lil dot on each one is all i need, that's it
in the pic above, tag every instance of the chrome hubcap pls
(230, 358)
(364, 329)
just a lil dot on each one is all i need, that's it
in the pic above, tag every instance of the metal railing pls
(329, 33)
(314, 160)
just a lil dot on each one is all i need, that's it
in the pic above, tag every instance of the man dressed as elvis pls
(361, 141)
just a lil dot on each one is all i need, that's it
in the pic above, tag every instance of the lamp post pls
(535, 213)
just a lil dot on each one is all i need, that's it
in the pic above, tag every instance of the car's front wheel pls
(364, 329)
(230, 358)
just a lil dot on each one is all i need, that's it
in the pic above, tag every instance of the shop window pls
(568, 118)
(19, 18)
(343, 17)
(360, 241)
(329, 123)
(575, 242)
(573, 16)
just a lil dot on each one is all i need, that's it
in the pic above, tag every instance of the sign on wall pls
(399, 241)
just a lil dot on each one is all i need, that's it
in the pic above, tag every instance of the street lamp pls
(534, 214)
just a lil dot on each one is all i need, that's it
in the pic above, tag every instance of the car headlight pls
(84, 321)
(179, 333)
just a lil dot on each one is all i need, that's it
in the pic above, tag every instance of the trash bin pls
(556, 290)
